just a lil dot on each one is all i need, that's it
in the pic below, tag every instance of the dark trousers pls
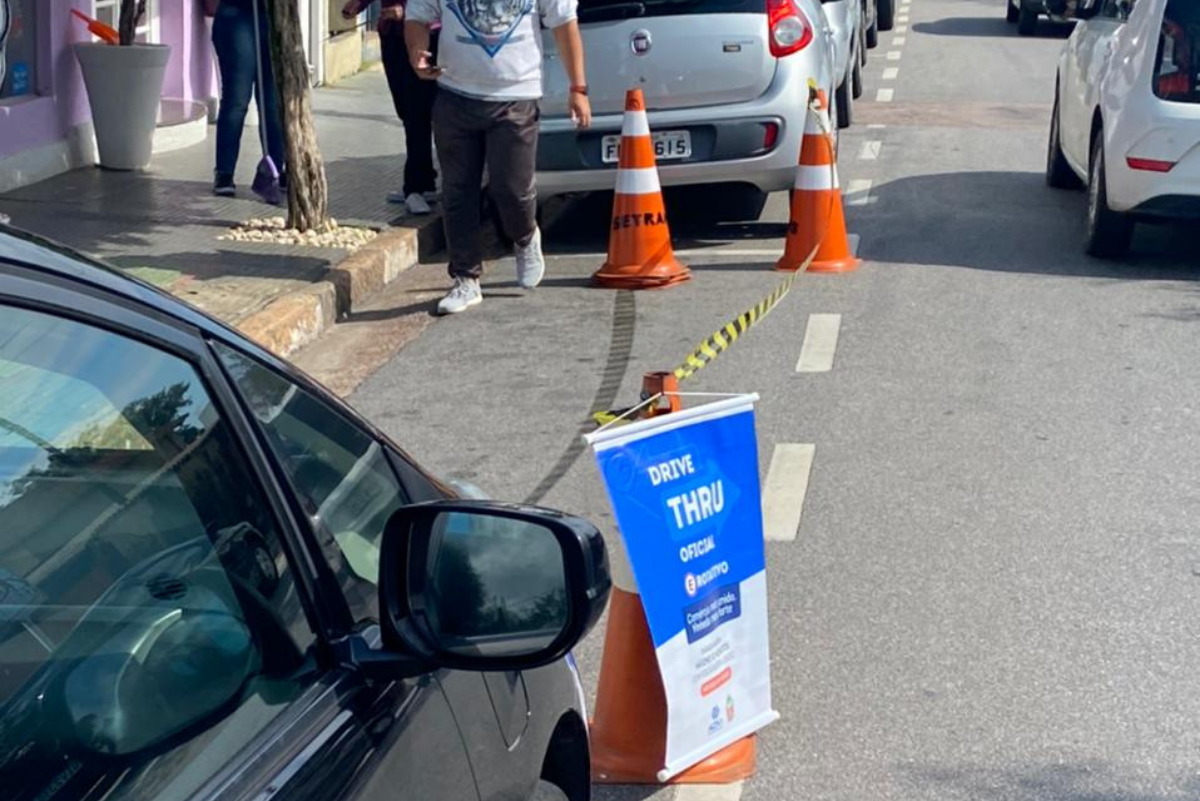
(503, 135)
(233, 39)
(413, 99)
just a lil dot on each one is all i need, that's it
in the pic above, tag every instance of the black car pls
(218, 583)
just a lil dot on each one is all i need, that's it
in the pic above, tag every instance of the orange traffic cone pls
(817, 218)
(639, 242)
(629, 730)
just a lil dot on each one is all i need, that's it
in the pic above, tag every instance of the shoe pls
(223, 185)
(432, 197)
(396, 197)
(463, 295)
(531, 265)
(417, 205)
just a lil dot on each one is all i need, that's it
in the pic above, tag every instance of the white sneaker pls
(531, 265)
(417, 204)
(432, 197)
(396, 197)
(463, 295)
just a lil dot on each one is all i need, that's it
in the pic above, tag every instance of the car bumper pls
(1159, 131)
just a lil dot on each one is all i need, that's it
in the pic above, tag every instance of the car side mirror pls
(478, 585)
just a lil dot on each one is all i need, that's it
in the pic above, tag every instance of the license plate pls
(667, 145)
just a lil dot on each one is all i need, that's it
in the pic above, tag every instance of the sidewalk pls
(163, 225)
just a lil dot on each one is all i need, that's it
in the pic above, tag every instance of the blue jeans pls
(233, 39)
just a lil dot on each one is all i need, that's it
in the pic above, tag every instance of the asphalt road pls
(993, 593)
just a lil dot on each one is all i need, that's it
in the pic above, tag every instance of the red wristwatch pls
(579, 90)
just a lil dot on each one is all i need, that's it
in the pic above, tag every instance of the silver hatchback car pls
(725, 82)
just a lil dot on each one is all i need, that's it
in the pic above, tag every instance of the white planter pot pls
(124, 85)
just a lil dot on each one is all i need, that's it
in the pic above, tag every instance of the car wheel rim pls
(1094, 199)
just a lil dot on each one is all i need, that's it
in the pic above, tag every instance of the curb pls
(291, 321)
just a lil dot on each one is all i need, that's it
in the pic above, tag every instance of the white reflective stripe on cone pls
(813, 177)
(635, 124)
(637, 181)
(812, 124)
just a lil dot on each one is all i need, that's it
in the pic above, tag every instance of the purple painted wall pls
(37, 121)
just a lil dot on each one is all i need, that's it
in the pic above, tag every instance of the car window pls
(598, 10)
(1177, 63)
(149, 624)
(341, 473)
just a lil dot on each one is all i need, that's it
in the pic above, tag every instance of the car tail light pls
(1150, 165)
(789, 30)
(770, 135)
(1178, 63)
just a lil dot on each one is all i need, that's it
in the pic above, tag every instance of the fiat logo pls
(640, 43)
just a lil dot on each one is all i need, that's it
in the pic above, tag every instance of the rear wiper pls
(612, 11)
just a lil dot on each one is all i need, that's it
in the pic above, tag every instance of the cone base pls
(731, 764)
(636, 276)
(846, 265)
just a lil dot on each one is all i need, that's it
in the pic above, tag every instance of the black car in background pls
(217, 582)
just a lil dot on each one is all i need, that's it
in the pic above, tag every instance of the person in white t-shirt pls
(490, 76)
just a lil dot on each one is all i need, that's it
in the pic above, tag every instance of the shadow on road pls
(1087, 781)
(1007, 222)
(989, 27)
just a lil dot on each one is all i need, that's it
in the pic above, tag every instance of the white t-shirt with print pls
(492, 49)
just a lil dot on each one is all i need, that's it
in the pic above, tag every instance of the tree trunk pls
(307, 190)
(130, 15)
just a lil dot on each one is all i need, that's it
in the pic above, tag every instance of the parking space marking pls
(876, 125)
(902, 19)
(885, 95)
(858, 192)
(820, 343)
(890, 73)
(784, 490)
(870, 150)
(894, 55)
(898, 41)
(708, 792)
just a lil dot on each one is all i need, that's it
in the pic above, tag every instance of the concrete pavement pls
(992, 591)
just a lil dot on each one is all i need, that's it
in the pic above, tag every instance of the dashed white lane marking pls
(885, 95)
(902, 19)
(870, 150)
(708, 792)
(876, 125)
(858, 192)
(898, 41)
(820, 343)
(900, 29)
(890, 73)
(894, 55)
(784, 491)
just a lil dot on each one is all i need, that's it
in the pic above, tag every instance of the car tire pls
(872, 37)
(885, 14)
(1059, 174)
(1109, 233)
(1027, 19)
(1012, 12)
(844, 97)
(856, 79)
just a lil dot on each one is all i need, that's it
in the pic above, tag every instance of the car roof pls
(37, 253)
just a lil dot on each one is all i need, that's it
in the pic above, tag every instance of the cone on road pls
(817, 219)
(639, 241)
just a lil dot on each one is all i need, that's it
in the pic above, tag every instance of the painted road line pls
(894, 55)
(900, 29)
(858, 192)
(784, 491)
(890, 73)
(870, 150)
(876, 125)
(820, 343)
(902, 19)
(708, 792)
(885, 95)
(898, 41)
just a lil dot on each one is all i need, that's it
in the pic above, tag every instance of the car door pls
(1089, 50)
(348, 481)
(167, 631)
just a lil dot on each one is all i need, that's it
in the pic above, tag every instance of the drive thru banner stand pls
(684, 488)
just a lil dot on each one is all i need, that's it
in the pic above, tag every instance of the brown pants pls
(469, 134)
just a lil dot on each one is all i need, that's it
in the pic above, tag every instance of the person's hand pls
(392, 13)
(581, 110)
(352, 9)
(422, 64)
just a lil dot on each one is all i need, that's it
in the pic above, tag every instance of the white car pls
(1126, 119)
(726, 84)
(848, 22)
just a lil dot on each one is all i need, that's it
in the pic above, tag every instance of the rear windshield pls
(1177, 67)
(598, 10)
